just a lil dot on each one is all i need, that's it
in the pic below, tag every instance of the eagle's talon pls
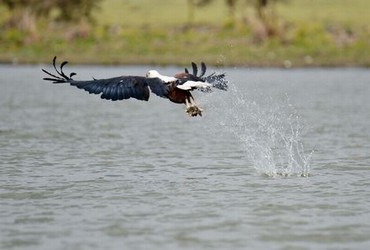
(194, 111)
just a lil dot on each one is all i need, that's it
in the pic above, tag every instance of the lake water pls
(280, 161)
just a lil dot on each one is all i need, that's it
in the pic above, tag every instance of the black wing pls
(217, 80)
(116, 88)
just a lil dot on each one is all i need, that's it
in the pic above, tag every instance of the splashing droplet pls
(269, 132)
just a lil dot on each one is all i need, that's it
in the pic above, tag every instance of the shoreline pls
(123, 64)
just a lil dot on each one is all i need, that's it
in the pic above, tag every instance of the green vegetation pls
(308, 33)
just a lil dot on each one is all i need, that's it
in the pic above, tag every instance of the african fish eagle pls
(177, 89)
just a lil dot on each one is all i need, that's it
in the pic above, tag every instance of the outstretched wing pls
(116, 88)
(216, 80)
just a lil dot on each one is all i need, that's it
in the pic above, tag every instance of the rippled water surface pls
(280, 161)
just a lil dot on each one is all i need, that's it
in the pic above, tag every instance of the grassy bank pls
(313, 33)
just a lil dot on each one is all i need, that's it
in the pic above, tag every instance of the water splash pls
(270, 132)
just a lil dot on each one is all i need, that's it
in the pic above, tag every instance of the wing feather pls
(203, 69)
(117, 88)
(218, 81)
(95, 88)
(158, 87)
(119, 92)
(195, 69)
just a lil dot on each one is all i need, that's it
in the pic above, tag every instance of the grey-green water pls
(77, 172)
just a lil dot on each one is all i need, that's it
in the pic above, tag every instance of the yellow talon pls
(194, 111)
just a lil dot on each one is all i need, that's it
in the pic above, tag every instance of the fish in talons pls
(192, 109)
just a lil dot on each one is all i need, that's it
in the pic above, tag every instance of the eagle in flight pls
(177, 88)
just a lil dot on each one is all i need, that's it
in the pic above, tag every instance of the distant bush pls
(25, 13)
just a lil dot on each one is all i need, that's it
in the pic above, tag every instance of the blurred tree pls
(192, 4)
(231, 4)
(266, 13)
(75, 10)
(25, 13)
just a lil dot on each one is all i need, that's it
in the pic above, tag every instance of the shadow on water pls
(270, 131)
